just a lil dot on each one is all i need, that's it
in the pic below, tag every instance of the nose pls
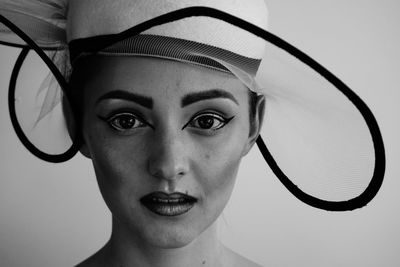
(168, 158)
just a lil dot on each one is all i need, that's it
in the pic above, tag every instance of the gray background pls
(53, 214)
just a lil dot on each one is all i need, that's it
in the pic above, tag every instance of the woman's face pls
(166, 140)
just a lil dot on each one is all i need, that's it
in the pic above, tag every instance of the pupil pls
(206, 122)
(127, 122)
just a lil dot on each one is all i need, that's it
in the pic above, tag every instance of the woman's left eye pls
(209, 121)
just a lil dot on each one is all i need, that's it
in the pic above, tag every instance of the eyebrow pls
(144, 101)
(187, 99)
(206, 95)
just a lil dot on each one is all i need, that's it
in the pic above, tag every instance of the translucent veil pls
(39, 78)
(319, 138)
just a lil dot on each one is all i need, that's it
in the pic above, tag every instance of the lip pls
(164, 204)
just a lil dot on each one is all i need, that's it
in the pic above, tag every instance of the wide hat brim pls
(319, 138)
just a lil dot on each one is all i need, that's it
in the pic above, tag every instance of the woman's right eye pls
(125, 121)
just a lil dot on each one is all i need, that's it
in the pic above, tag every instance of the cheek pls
(220, 171)
(117, 167)
(221, 161)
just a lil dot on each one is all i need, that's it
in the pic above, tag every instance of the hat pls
(319, 138)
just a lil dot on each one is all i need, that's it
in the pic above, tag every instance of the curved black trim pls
(31, 45)
(373, 127)
(12, 44)
(40, 51)
(17, 127)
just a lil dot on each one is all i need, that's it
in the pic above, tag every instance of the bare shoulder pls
(90, 262)
(236, 260)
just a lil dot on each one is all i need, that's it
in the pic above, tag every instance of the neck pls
(124, 249)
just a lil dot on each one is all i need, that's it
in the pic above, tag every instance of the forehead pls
(154, 77)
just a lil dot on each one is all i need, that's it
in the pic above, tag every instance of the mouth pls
(164, 204)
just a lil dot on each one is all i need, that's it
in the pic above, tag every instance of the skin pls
(194, 149)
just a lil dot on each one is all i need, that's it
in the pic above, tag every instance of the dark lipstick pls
(168, 204)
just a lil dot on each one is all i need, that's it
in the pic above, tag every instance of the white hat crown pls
(101, 17)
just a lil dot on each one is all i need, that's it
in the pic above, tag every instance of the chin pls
(171, 237)
(180, 231)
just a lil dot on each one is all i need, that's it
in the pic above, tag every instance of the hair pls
(253, 98)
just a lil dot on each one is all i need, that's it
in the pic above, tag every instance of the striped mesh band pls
(168, 48)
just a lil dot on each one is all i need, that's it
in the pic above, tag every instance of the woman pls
(166, 130)
(184, 140)
(184, 134)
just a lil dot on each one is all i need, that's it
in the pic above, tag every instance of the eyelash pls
(115, 121)
(209, 115)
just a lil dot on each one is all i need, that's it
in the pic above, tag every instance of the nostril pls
(166, 170)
